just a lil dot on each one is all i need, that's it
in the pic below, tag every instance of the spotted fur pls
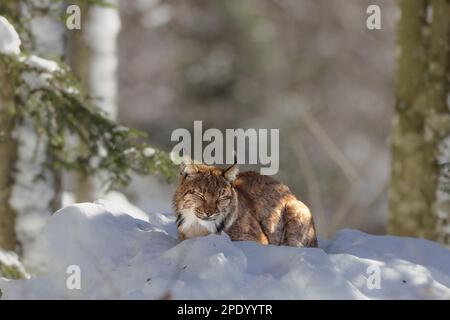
(247, 206)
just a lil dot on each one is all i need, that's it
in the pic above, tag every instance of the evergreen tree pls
(46, 96)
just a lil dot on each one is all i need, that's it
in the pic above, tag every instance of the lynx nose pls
(210, 210)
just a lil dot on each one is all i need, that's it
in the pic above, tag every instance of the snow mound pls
(9, 39)
(116, 256)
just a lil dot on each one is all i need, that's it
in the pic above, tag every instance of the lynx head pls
(206, 191)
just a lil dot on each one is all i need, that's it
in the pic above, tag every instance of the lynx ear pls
(187, 166)
(231, 173)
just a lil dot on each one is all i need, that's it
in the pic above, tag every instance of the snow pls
(39, 78)
(10, 259)
(117, 203)
(43, 64)
(35, 80)
(9, 39)
(125, 253)
(148, 152)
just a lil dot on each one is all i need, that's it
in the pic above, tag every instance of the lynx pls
(246, 206)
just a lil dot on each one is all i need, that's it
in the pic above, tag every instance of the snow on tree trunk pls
(438, 122)
(9, 45)
(96, 43)
(8, 149)
(35, 199)
(421, 126)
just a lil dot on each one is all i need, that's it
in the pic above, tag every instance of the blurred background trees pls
(310, 68)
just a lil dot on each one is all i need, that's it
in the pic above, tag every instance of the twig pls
(347, 202)
(328, 145)
(312, 184)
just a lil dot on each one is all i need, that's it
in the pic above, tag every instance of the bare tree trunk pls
(421, 118)
(78, 55)
(8, 150)
(92, 57)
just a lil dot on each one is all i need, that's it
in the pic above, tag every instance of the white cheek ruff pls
(190, 220)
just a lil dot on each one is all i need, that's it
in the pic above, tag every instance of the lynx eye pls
(224, 198)
(198, 195)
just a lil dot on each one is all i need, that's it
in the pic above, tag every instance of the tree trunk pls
(78, 55)
(8, 149)
(421, 118)
(92, 57)
(33, 200)
(51, 47)
(8, 145)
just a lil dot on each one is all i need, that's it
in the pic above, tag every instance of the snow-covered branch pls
(56, 106)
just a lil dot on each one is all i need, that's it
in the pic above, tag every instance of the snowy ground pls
(124, 253)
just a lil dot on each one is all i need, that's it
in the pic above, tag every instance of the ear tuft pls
(231, 173)
(187, 166)
(187, 169)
